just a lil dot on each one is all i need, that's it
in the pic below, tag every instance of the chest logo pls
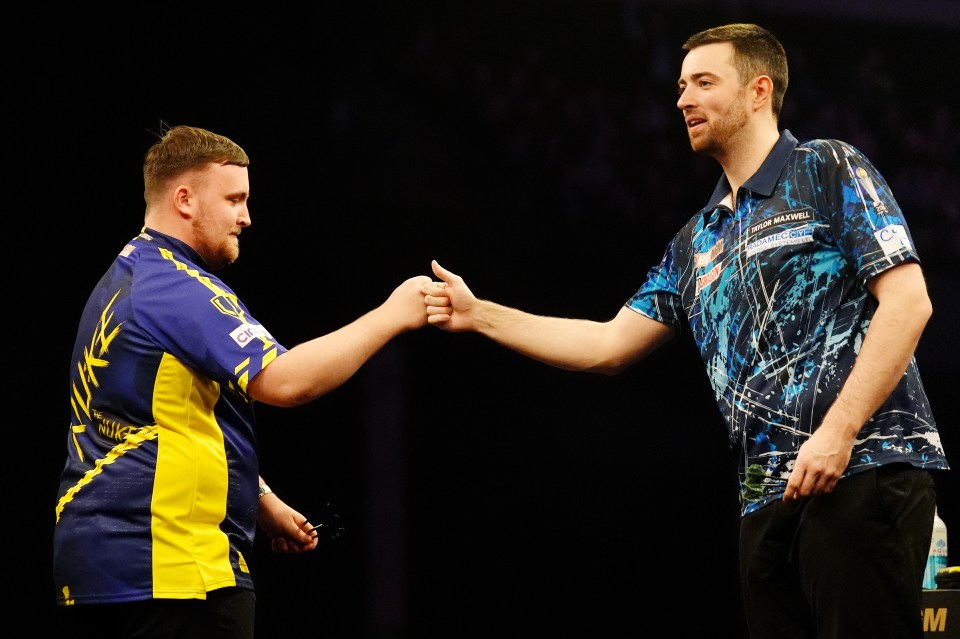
(799, 235)
(702, 259)
(788, 217)
(708, 278)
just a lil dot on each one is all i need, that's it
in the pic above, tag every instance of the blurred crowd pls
(570, 117)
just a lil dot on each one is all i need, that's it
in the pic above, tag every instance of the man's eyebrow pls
(698, 75)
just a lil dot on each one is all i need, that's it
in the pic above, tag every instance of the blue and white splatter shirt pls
(774, 293)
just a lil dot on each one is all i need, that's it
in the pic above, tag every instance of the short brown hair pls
(182, 148)
(756, 52)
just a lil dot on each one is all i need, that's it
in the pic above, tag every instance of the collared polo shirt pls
(158, 496)
(774, 294)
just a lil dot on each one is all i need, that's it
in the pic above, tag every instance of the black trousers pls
(227, 613)
(843, 565)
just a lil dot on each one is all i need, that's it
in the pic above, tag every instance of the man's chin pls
(223, 260)
(699, 144)
(231, 252)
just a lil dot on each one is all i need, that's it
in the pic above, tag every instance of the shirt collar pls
(764, 181)
(177, 246)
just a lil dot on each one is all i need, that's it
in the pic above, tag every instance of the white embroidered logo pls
(893, 239)
(246, 333)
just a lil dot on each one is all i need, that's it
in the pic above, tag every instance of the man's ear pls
(184, 201)
(762, 92)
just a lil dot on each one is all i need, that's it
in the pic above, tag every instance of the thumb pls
(441, 272)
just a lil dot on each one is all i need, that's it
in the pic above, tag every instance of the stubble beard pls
(228, 251)
(217, 250)
(715, 140)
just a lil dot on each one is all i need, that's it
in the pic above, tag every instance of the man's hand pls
(820, 463)
(450, 303)
(289, 531)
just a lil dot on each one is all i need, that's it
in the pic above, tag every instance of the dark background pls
(532, 147)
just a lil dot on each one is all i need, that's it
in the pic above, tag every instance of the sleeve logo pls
(246, 333)
(893, 239)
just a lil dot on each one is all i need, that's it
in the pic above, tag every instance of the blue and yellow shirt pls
(158, 496)
(774, 293)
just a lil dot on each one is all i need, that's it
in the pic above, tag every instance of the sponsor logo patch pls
(799, 235)
(708, 278)
(246, 333)
(893, 239)
(805, 215)
(702, 259)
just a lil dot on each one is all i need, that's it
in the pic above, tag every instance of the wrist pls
(483, 314)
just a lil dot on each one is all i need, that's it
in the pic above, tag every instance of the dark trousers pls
(227, 613)
(844, 565)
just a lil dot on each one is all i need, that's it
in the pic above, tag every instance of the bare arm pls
(890, 342)
(316, 367)
(571, 344)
